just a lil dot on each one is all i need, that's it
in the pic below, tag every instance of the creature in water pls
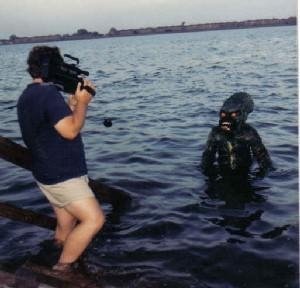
(233, 144)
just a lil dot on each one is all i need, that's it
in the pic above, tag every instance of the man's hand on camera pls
(82, 95)
(69, 127)
(72, 102)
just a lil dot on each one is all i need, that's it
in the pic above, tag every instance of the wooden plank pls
(30, 272)
(20, 156)
(7, 279)
(15, 153)
(27, 216)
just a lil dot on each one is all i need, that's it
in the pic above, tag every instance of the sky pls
(44, 17)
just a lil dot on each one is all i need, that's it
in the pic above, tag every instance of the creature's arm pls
(261, 154)
(209, 156)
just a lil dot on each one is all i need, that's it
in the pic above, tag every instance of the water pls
(163, 93)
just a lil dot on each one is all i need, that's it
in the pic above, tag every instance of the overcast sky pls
(43, 17)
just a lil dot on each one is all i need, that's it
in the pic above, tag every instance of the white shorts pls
(63, 193)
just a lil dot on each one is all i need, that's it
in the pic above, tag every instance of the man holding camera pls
(51, 130)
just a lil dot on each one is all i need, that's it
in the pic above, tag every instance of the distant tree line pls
(83, 33)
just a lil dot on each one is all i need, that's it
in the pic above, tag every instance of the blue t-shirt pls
(55, 159)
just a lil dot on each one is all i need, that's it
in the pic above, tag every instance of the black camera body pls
(64, 75)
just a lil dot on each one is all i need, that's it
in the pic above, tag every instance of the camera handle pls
(87, 88)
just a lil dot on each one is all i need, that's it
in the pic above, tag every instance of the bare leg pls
(91, 217)
(65, 224)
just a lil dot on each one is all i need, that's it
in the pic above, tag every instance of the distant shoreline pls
(83, 34)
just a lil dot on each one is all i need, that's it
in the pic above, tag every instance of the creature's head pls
(234, 111)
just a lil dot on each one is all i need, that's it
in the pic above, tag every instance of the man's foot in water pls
(64, 267)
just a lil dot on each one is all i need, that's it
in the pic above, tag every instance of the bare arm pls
(70, 126)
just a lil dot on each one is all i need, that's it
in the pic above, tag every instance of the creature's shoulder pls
(249, 132)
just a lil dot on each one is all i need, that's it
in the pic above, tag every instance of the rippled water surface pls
(163, 93)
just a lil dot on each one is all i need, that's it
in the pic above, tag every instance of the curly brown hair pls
(36, 57)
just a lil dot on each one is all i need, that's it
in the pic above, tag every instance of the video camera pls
(65, 76)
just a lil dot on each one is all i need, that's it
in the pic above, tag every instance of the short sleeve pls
(56, 107)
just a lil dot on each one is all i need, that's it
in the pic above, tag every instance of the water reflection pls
(235, 192)
(232, 197)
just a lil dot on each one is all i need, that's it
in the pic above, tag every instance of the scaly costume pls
(233, 145)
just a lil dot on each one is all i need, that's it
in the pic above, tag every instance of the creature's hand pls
(258, 174)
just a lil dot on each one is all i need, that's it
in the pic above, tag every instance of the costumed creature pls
(233, 144)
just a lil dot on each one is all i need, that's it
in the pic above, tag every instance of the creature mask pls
(234, 111)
